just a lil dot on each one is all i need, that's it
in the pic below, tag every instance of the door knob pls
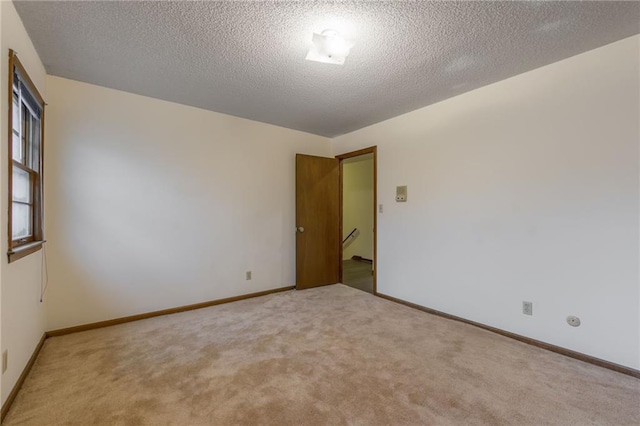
(300, 229)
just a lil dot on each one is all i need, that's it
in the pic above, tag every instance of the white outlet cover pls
(401, 193)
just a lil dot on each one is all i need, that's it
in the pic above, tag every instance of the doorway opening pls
(358, 219)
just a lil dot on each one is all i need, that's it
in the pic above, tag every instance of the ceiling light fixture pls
(329, 47)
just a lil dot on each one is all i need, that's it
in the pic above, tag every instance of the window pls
(26, 124)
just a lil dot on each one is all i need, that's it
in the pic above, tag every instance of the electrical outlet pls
(248, 275)
(5, 360)
(527, 308)
(573, 321)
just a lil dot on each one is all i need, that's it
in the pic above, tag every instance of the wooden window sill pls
(24, 250)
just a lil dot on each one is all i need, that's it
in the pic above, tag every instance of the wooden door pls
(317, 221)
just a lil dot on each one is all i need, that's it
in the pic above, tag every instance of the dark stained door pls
(317, 221)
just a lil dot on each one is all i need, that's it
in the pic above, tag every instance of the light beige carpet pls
(333, 355)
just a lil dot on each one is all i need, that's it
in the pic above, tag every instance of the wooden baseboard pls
(94, 325)
(553, 348)
(21, 379)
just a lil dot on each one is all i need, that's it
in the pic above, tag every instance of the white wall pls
(357, 206)
(152, 205)
(22, 315)
(526, 189)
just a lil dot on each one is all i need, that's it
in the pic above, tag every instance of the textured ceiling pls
(248, 58)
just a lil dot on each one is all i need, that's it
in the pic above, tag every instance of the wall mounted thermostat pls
(401, 193)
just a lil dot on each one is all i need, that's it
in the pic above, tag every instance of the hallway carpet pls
(332, 355)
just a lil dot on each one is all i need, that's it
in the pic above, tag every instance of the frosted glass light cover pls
(329, 48)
